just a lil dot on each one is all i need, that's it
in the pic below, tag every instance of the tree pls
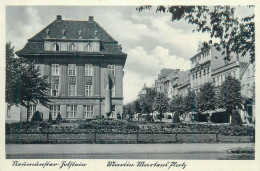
(190, 101)
(136, 106)
(177, 106)
(24, 83)
(230, 98)
(128, 110)
(37, 117)
(59, 118)
(12, 76)
(206, 98)
(221, 22)
(147, 101)
(160, 104)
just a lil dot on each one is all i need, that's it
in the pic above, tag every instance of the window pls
(9, 111)
(54, 110)
(88, 90)
(72, 90)
(88, 111)
(55, 90)
(72, 47)
(111, 70)
(72, 69)
(113, 91)
(57, 47)
(88, 69)
(89, 47)
(55, 69)
(72, 111)
(32, 110)
(113, 110)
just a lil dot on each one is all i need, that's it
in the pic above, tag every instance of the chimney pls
(91, 18)
(59, 18)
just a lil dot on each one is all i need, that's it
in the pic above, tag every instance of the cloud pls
(143, 67)
(30, 24)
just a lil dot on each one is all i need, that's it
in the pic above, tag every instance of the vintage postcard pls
(103, 86)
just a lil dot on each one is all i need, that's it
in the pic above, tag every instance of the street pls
(236, 151)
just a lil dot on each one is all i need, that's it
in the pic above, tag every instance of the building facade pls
(85, 68)
(248, 92)
(221, 68)
(163, 81)
(200, 71)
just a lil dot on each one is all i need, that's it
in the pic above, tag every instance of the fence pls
(130, 138)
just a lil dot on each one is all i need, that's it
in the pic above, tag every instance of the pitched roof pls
(165, 72)
(87, 29)
(184, 77)
(72, 28)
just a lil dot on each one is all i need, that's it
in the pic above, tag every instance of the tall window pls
(72, 47)
(88, 90)
(111, 70)
(57, 47)
(55, 90)
(89, 47)
(72, 90)
(55, 69)
(113, 91)
(72, 111)
(88, 111)
(72, 69)
(32, 110)
(54, 110)
(88, 69)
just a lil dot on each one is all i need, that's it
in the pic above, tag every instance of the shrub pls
(99, 117)
(118, 116)
(109, 114)
(59, 118)
(37, 116)
(236, 119)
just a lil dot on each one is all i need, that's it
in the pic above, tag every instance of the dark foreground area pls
(216, 151)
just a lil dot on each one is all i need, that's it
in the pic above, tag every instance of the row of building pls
(210, 65)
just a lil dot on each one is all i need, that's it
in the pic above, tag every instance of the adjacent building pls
(85, 68)
(163, 82)
(200, 71)
(248, 92)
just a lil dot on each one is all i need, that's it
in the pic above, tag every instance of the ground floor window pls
(113, 111)
(54, 110)
(72, 111)
(88, 111)
(32, 110)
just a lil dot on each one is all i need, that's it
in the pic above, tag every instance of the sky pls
(151, 40)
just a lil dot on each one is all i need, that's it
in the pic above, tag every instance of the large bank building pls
(85, 68)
